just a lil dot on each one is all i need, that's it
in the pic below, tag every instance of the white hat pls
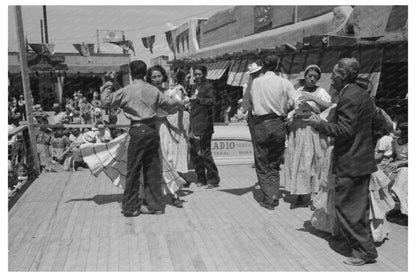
(253, 67)
(89, 137)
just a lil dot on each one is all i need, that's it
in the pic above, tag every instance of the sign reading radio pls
(231, 148)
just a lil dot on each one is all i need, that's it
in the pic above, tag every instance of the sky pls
(76, 24)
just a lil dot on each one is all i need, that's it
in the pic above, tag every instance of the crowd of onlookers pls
(57, 147)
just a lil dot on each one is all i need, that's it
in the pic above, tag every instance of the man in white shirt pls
(272, 96)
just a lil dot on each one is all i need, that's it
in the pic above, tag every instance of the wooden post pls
(26, 86)
(41, 31)
(98, 42)
(45, 22)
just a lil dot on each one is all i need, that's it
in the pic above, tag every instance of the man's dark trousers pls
(143, 152)
(205, 167)
(269, 140)
(352, 207)
(250, 123)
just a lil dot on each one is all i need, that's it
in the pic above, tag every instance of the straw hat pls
(253, 68)
(89, 137)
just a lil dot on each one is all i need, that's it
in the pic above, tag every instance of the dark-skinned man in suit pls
(353, 158)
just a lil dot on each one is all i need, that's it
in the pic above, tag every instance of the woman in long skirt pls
(171, 137)
(304, 153)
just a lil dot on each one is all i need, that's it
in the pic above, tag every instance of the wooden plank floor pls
(72, 222)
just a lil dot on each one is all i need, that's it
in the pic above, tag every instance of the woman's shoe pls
(177, 202)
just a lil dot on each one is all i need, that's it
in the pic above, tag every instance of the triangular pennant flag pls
(125, 44)
(49, 48)
(37, 47)
(85, 50)
(169, 40)
(148, 42)
(43, 49)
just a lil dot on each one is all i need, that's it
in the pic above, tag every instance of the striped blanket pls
(111, 158)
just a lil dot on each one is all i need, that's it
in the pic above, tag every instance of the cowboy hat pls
(253, 67)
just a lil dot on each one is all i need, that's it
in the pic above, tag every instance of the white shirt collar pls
(342, 90)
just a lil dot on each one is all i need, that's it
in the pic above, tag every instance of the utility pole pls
(41, 30)
(45, 19)
(98, 42)
(26, 86)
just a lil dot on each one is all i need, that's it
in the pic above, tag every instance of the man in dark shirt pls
(202, 127)
(140, 101)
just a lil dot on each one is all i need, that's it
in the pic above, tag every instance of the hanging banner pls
(112, 35)
(169, 40)
(43, 49)
(148, 42)
(125, 45)
(85, 50)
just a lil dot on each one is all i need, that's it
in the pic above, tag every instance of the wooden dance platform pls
(72, 222)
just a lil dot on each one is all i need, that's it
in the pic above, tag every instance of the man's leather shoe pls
(131, 214)
(275, 202)
(145, 210)
(211, 186)
(354, 261)
(267, 205)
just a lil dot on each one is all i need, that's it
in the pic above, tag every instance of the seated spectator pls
(97, 115)
(76, 117)
(85, 110)
(102, 133)
(21, 177)
(12, 178)
(18, 150)
(58, 117)
(397, 167)
(59, 145)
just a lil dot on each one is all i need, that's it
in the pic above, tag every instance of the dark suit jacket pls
(202, 113)
(355, 119)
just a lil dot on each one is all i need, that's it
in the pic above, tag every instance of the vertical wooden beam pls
(98, 42)
(26, 86)
(45, 19)
(41, 31)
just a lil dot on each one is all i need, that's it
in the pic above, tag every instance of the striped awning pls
(238, 74)
(217, 69)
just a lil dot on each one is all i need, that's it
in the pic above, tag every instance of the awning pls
(292, 33)
(238, 75)
(217, 69)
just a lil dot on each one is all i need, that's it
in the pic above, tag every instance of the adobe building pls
(302, 35)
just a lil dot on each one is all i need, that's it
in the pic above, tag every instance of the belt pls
(266, 117)
(148, 122)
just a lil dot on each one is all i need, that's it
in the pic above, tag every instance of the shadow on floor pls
(101, 199)
(336, 243)
(257, 193)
